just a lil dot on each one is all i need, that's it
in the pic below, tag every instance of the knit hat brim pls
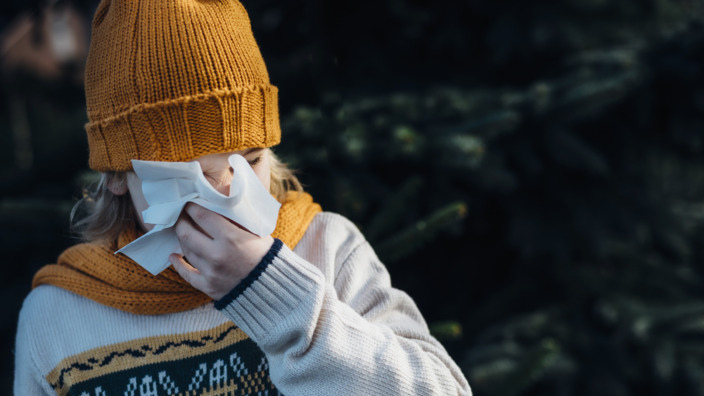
(226, 120)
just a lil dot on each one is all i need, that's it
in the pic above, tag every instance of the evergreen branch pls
(587, 97)
(407, 241)
(531, 369)
(488, 126)
(393, 210)
(446, 331)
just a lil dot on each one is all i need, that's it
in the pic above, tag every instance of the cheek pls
(134, 185)
(263, 172)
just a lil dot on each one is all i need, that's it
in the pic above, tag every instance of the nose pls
(223, 189)
(222, 184)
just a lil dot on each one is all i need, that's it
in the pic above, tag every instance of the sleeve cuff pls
(253, 276)
(286, 295)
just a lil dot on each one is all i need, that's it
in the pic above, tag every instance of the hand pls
(220, 253)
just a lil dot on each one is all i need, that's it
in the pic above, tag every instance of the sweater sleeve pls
(28, 378)
(352, 334)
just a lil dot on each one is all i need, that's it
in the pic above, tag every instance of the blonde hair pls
(101, 216)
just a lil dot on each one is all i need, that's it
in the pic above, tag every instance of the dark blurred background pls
(532, 173)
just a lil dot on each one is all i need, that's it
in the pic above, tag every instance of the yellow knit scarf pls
(93, 270)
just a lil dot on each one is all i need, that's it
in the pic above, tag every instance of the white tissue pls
(169, 186)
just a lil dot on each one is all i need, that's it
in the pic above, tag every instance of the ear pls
(117, 184)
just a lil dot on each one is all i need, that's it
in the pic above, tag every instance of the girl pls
(308, 310)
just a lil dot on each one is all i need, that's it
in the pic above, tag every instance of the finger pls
(193, 223)
(193, 276)
(212, 224)
(194, 260)
(190, 238)
(184, 269)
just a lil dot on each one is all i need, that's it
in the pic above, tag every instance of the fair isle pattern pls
(220, 361)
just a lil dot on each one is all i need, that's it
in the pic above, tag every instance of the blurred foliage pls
(531, 173)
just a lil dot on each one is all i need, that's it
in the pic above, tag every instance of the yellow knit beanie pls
(172, 80)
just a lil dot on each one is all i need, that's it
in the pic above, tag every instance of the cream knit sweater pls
(320, 320)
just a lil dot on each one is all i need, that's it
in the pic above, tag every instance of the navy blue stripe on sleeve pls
(252, 277)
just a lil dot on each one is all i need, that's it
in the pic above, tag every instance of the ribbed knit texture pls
(325, 315)
(252, 277)
(95, 272)
(175, 80)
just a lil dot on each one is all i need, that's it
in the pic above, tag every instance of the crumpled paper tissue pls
(169, 186)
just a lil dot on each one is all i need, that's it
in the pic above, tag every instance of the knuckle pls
(218, 259)
(183, 235)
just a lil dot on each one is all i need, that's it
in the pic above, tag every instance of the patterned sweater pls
(320, 320)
